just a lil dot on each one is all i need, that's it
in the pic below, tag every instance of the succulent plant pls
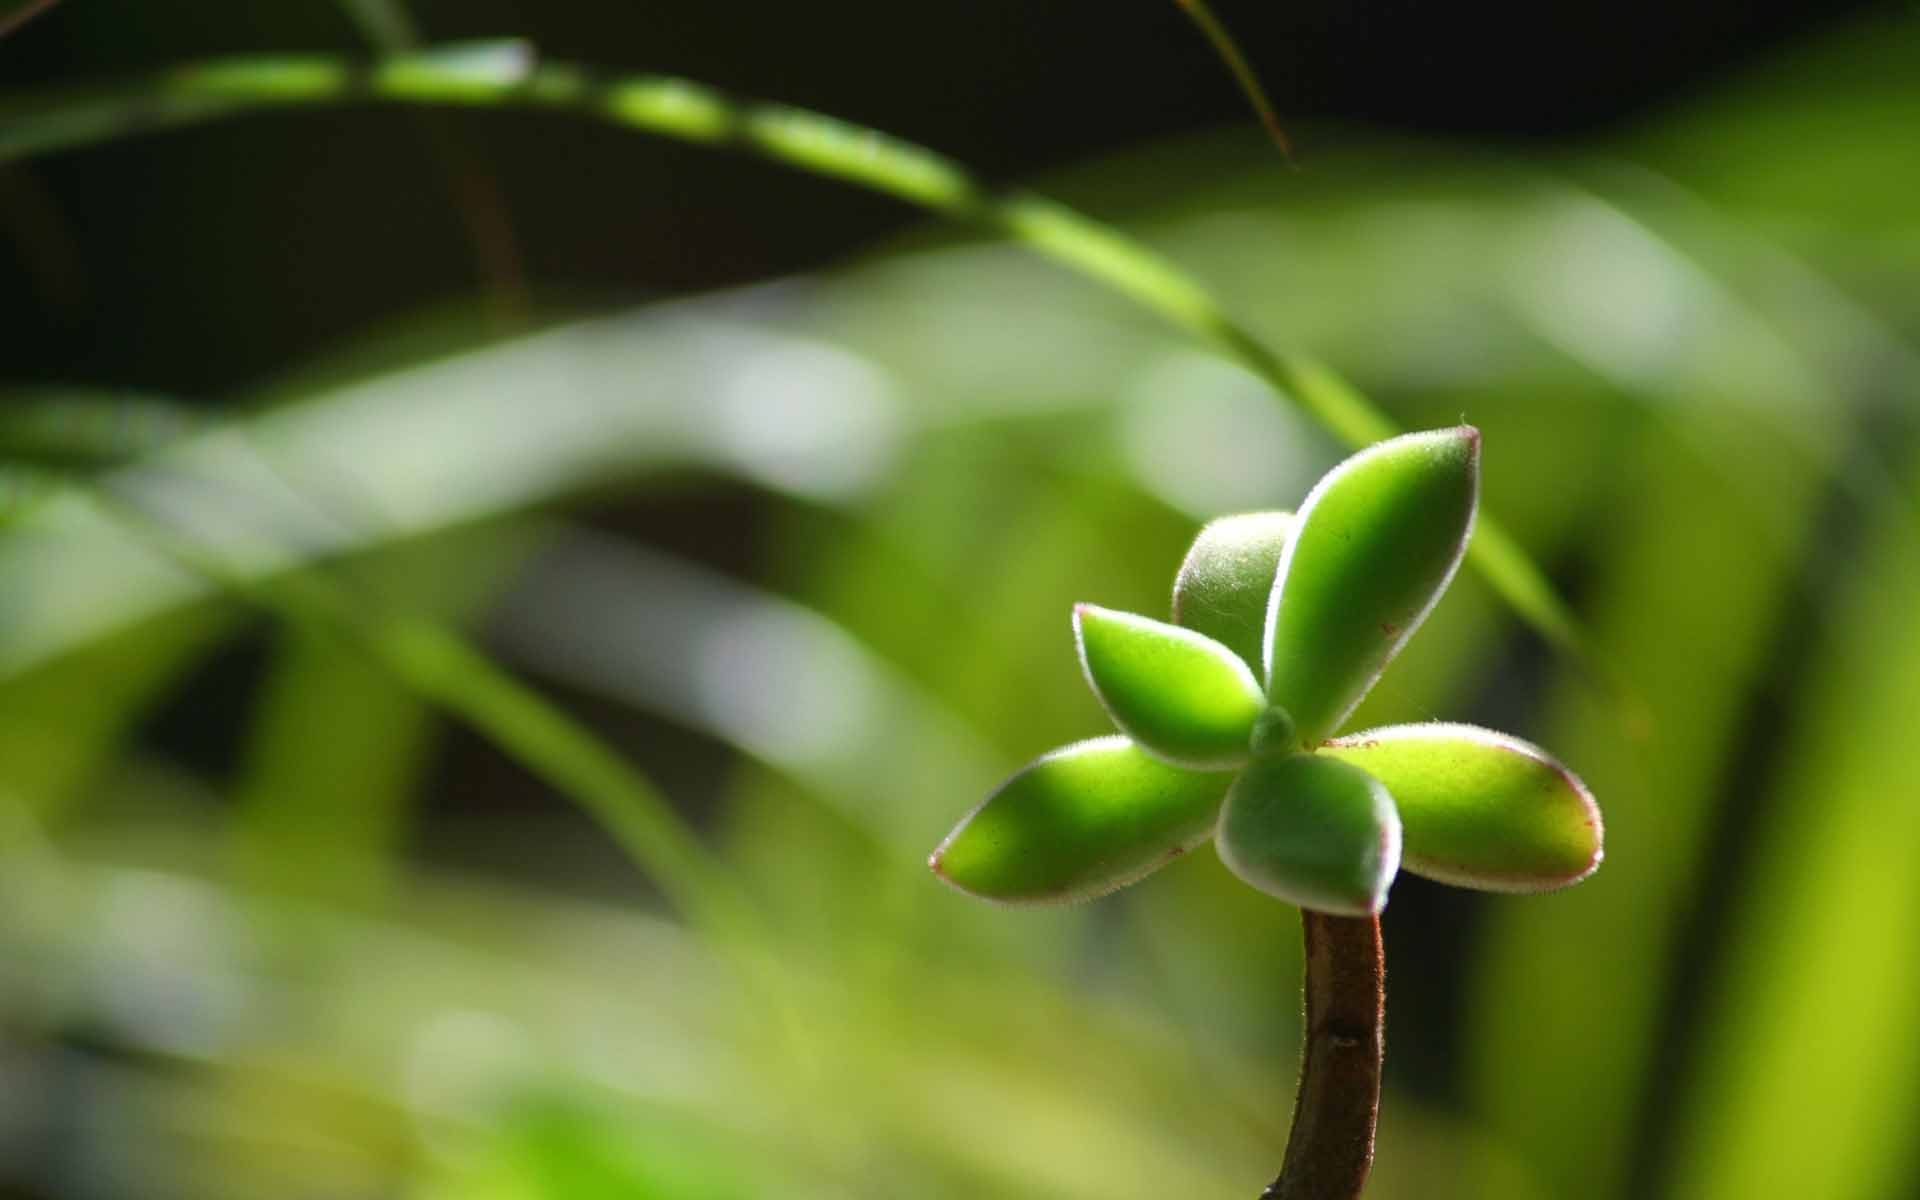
(1228, 719)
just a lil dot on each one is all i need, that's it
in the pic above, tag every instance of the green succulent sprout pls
(1228, 720)
(1228, 716)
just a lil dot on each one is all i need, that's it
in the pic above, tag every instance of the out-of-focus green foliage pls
(1691, 351)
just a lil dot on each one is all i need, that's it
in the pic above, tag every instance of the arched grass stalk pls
(506, 74)
(19, 12)
(444, 668)
(1228, 50)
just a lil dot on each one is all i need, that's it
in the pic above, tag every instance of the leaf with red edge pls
(1181, 695)
(1085, 819)
(1379, 538)
(1480, 809)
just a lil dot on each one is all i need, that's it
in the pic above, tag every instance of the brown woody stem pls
(1330, 1149)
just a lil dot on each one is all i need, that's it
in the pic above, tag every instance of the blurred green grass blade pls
(775, 680)
(65, 718)
(443, 667)
(1807, 341)
(59, 427)
(1811, 1038)
(15, 13)
(24, 489)
(1771, 371)
(1840, 100)
(1690, 590)
(386, 24)
(557, 1148)
(1079, 1099)
(445, 442)
(561, 751)
(321, 820)
(501, 74)
(337, 743)
(473, 187)
(1228, 51)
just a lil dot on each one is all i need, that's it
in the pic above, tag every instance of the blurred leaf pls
(442, 666)
(84, 428)
(559, 1149)
(413, 451)
(775, 680)
(64, 719)
(1834, 103)
(338, 743)
(385, 23)
(15, 13)
(1228, 51)
(1806, 1078)
(1180, 695)
(1692, 584)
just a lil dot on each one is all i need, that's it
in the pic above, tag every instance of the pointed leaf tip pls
(1378, 540)
(1313, 831)
(1080, 821)
(1481, 809)
(1227, 577)
(1179, 694)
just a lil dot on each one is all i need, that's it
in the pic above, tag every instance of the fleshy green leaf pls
(1085, 819)
(1224, 584)
(1179, 694)
(1481, 809)
(1313, 831)
(1378, 539)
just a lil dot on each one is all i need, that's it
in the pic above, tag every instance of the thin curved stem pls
(1215, 31)
(21, 13)
(1330, 1148)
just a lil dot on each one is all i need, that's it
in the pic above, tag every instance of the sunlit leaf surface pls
(1313, 831)
(1082, 820)
(1480, 809)
(1180, 695)
(1227, 578)
(1378, 540)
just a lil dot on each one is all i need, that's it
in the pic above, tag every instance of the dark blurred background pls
(300, 252)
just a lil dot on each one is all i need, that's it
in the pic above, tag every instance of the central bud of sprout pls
(1273, 734)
